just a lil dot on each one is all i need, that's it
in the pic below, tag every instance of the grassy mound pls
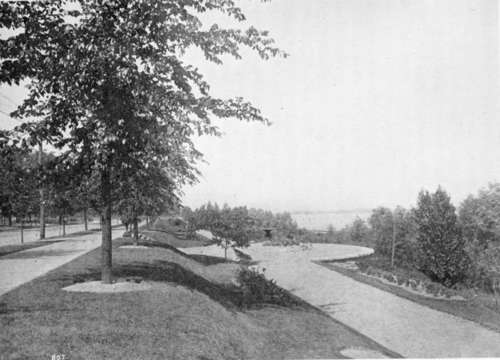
(200, 316)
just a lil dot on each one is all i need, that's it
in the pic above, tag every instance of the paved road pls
(12, 237)
(403, 326)
(23, 266)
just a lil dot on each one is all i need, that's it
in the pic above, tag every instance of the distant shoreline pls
(322, 220)
(344, 211)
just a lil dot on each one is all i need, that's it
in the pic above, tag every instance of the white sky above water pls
(378, 99)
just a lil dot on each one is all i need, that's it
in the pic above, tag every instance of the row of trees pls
(27, 185)
(110, 92)
(447, 244)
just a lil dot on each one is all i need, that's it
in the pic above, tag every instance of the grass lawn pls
(172, 240)
(200, 315)
(473, 309)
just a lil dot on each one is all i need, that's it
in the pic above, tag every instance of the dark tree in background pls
(441, 244)
(18, 182)
(108, 84)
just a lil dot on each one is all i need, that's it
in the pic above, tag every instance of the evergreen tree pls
(441, 245)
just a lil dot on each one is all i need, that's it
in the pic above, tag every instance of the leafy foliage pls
(257, 290)
(229, 226)
(19, 179)
(109, 87)
(479, 216)
(441, 245)
(359, 230)
(385, 224)
(381, 223)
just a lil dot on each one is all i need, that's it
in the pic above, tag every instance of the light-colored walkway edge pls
(27, 265)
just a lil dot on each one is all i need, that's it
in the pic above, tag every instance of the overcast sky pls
(377, 100)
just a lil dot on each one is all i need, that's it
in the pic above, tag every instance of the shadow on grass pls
(10, 249)
(231, 297)
(203, 259)
(46, 291)
(40, 253)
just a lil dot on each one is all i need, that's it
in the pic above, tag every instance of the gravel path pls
(23, 266)
(403, 326)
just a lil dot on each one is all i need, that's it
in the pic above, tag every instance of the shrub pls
(257, 290)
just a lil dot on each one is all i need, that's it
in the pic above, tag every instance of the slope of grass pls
(172, 240)
(195, 318)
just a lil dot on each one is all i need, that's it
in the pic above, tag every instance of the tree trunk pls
(393, 247)
(42, 214)
(495, 293)
(85, 220)
(22, 231)
(136, 232)
(10, 219)
(42, 192)
(106, 259)
(64, 225)
(225, 252)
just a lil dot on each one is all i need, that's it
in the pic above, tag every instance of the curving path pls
(403, 326)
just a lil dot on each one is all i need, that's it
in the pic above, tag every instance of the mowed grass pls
(172, 240)
(199, 316)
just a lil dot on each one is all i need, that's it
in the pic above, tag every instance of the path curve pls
(408, 328)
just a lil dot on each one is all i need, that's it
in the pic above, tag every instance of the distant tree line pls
(450, 246)
(236, 226)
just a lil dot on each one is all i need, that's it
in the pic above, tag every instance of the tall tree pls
(441, 245)
(480, 216)
(108, 82)
(381, 223)
(18, 180)
(359, 231)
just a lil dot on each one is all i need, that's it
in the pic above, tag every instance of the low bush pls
(257, 290)
(282, 241)
(403, 279)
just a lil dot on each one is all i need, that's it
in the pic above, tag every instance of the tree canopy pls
(107, 84)
(441, 244)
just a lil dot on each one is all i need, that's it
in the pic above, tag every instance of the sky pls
(377, 100)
